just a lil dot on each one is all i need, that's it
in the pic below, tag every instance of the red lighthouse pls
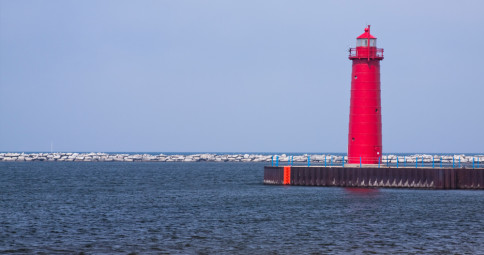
(364, 136)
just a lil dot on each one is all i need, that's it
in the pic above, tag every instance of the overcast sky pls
(230, 76)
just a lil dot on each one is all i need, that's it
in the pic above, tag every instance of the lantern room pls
(366, 39)
(366, 47)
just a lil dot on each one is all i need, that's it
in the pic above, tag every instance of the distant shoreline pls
(212, 157)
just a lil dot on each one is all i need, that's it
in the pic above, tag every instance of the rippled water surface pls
(207, 208)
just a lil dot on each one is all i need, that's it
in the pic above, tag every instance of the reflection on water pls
(221, 208)
(362, 192)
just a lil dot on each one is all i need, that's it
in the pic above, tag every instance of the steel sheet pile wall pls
(425, 178)
(273, 175)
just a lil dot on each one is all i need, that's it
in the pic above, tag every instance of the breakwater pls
(371, 176)
(211, 157)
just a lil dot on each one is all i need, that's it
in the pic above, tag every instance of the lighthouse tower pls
(364, 136)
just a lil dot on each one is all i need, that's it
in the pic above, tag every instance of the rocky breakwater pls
(208, 157)
(106, 157)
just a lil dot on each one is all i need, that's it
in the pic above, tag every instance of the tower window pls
(356, 77)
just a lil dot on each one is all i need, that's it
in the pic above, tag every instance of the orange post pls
(287, 175)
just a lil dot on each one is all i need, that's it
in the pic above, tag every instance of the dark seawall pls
(374, 177)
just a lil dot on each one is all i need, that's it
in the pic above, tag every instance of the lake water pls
(207, 208)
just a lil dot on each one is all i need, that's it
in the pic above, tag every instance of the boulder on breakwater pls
(209, 157)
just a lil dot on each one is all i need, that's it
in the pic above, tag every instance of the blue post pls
(440, 161)
(387, 160)
(422, 161)
(343, 160)
(331, 160)
(404, 161)
(324, 160)
(397, 161)
(453, 162)
(472, 162)
(277, 160)
(378, 162)
(433, 162)
(292, 160)
(272, 161)
(416, 162)
(360, 161)
(478, 159)
(459, 161)
(309, 161)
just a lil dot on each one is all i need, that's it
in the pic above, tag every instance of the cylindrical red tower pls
(364, 136)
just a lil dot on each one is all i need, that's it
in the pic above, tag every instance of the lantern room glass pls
(364, 42)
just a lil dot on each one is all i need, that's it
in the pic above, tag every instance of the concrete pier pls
(375, 177)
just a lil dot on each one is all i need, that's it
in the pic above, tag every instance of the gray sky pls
(227, 76)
